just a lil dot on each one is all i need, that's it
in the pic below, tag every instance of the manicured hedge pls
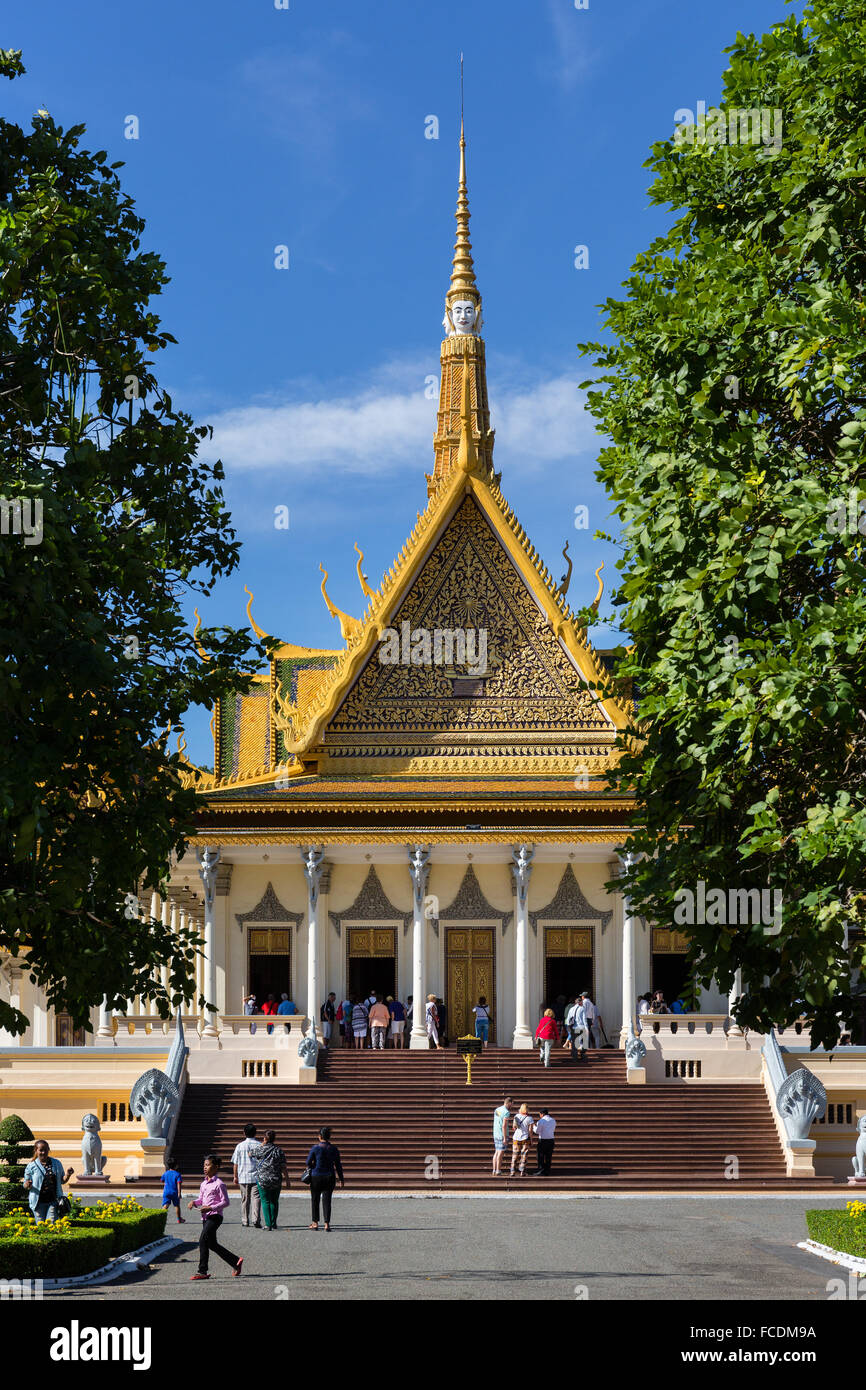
(841, 1230)
(54, 1254)
(128, 1231)
(16, 1145)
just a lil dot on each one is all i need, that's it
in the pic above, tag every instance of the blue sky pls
(305, 127)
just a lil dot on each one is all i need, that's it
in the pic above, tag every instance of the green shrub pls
(52, 1254)
(16, 1143)
(841, 1230)
(129, 1229)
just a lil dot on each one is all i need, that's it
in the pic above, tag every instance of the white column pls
(156, 908)
(312, 857)
(419, 868)
(208, 860)
(521, 869)
(629, 986)
(734, 1030)
(40, 1019)
(169, 919)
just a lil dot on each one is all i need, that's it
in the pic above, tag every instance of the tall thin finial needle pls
(461, 93)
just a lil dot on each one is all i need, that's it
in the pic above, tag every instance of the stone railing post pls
(104, 1030)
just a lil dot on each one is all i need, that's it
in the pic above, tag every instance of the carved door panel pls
(469, 973)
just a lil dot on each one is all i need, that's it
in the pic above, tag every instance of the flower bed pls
(840, 1230)
(130, 1224)
(31, 1251)
(83, 1241)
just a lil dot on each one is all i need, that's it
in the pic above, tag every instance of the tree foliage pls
(734, 399)
(115, 521)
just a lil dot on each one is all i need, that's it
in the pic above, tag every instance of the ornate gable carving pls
(470, 904)
(529, 689)
(268, 909)
(371, 905)
(569, 905)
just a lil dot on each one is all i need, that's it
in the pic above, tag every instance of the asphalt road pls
(642, 1248)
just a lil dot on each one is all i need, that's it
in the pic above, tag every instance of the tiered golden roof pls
(545, 707)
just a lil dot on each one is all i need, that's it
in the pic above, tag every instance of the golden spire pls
(463, 285)
(462, 360)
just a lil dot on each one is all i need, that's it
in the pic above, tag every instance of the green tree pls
(734, 398)
(109, 522)
(16, 1144)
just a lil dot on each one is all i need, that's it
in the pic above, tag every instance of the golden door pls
(469, 973)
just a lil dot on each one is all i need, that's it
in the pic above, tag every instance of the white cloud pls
(548, 421)
(382, 429)
(574, 57)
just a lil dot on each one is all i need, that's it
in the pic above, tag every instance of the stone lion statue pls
(91, 1147)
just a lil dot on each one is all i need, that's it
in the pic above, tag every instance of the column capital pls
(208, 859)
(419, 869)
(521, 869)
(312, 856)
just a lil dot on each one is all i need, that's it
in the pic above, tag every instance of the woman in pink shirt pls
(213, 1199)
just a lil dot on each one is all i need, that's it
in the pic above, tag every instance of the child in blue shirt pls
(172, 1184)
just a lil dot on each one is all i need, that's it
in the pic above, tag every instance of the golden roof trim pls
(367, 630)
(327, 835)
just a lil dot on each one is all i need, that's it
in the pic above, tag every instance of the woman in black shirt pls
(325, 1167)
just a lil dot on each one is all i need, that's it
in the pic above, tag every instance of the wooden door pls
(469, 973)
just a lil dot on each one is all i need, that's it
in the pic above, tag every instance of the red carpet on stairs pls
(407, 1120)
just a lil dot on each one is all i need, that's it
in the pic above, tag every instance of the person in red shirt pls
(270, 1007)
(546, 1034)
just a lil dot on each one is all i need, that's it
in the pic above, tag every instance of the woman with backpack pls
(360, 1017)
(482, 1019)
(546, 1034)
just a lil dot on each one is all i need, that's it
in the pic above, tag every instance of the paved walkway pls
(645, 1248)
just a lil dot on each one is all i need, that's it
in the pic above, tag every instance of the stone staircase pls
(407, 1120)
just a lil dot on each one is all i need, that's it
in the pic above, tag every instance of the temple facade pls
(421, 807)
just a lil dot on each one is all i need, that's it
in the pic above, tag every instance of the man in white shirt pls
(545, 1128)
(575, 1021)
(246, 1176)
(592, 1021)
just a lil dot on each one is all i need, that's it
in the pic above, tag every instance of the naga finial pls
(199, 648)
(566, 578)
(285, 713)
(349, 626)
(362, 578)
(259, 631)
(597, 600)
